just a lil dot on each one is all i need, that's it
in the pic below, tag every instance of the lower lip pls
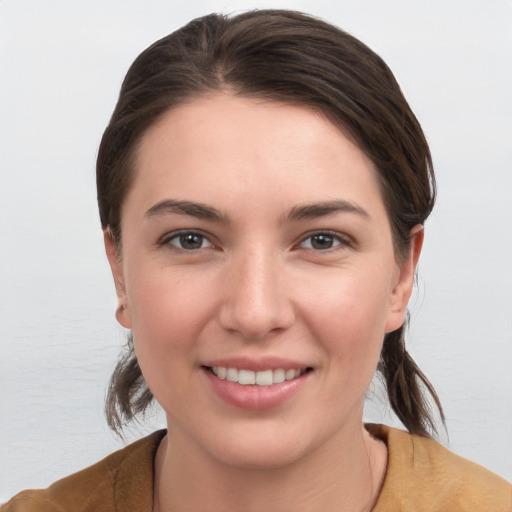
(255, 398)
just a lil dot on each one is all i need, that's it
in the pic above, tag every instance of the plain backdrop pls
(61, 65)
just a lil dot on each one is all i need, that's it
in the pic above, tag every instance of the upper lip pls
(256, 364)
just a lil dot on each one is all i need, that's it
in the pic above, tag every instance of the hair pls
(290, 57)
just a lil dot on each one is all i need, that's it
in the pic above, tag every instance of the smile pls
(259, 378)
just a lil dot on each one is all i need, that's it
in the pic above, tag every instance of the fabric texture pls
(421, 476)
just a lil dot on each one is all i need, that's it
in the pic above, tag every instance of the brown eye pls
(322, 242)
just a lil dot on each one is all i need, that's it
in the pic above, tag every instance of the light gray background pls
(61, 66)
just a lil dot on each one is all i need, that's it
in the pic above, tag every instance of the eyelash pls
(342, 241)
(337, 239)
(167, 240)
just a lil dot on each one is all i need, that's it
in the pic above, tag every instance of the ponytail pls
(128, 394)
(407, 387)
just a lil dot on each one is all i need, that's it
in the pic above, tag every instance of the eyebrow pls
(199, 210)
(322, 209)
(299, 212)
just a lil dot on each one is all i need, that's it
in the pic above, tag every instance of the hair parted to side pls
(289, 57)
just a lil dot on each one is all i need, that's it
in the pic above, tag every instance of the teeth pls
(278, 376)
(265, 378)
(262, 378)
(289, 374)
(246, 377)
(232, 374)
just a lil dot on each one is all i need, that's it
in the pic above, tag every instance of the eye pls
(187, 241)
(323, 241)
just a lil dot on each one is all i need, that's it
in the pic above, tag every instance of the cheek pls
(168, 316)
(349, 318)
(168, 311)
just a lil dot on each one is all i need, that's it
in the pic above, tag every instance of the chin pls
(256, 456)
(256, 447)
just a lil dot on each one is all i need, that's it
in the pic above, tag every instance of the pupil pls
(322, 241)
(191, 241)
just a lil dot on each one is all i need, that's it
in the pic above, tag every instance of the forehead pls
(223, 146)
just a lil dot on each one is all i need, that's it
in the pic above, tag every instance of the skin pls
(320, 289)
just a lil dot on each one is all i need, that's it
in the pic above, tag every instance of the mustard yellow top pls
(422, 476)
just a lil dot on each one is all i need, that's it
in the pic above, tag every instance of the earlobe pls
(403, 289)
(111, 250)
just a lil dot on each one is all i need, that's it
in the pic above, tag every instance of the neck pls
(345, 475)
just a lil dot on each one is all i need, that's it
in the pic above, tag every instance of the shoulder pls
(119, 482)
(424, 475)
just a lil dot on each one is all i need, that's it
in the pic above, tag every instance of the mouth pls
(261, 378)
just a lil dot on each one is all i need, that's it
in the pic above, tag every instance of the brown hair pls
(289, 57)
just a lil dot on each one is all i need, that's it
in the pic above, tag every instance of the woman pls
(262, 188)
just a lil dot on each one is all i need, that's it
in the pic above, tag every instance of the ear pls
(122, 313)
(403, 288)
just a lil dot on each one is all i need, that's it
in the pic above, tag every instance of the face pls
(258, 277)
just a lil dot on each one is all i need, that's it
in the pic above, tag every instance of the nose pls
(256, 299)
